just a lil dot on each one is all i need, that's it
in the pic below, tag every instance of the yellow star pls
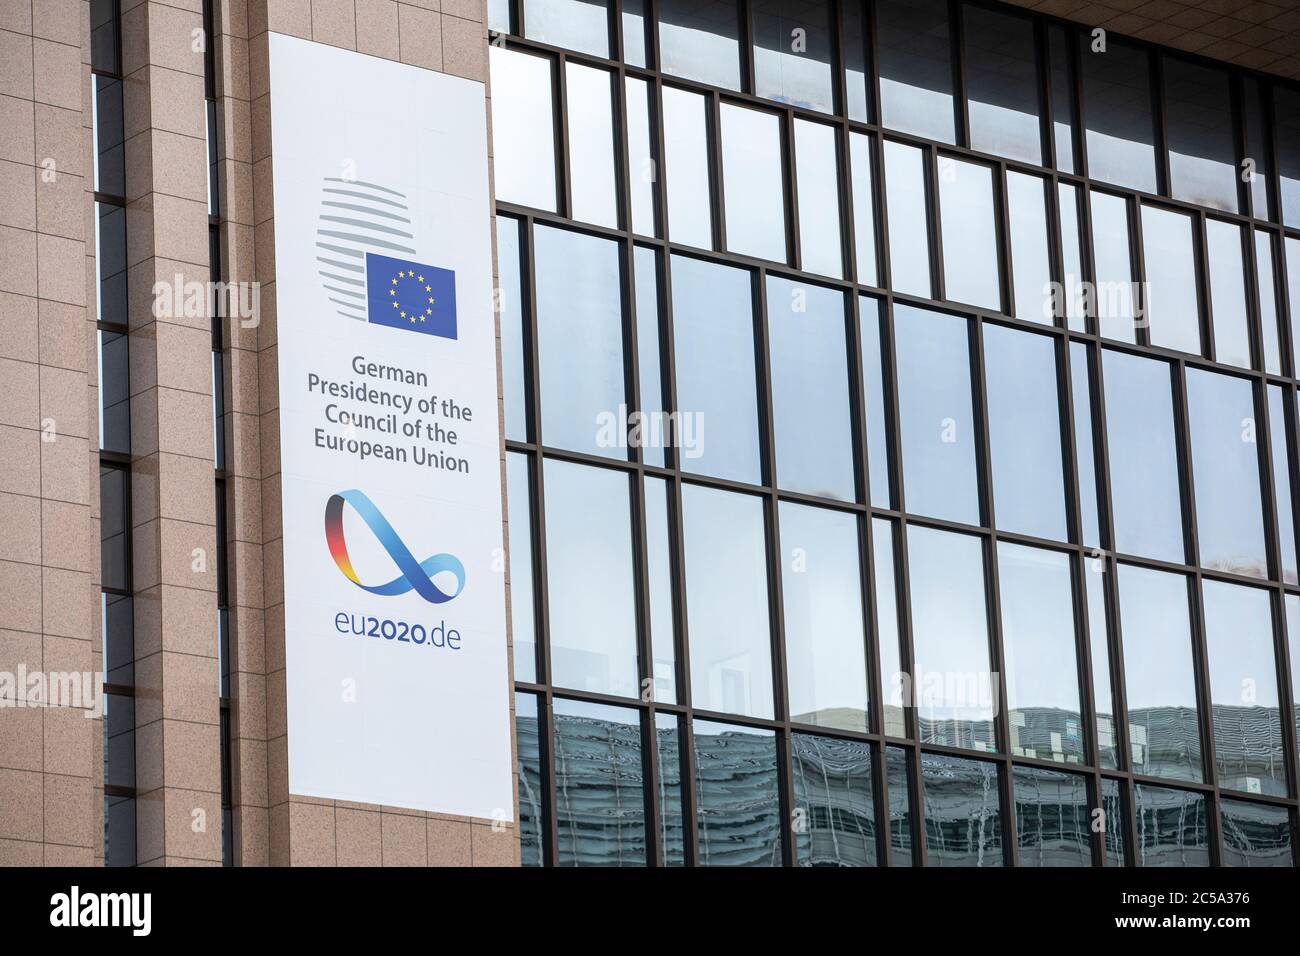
(428, 288)
(401, 275)
(413, 320)
(394, 305)
(403, 314)
(421, 278)
(430, 300)
(428, 311)
(392, 292)
(421, 318)
(394, 282)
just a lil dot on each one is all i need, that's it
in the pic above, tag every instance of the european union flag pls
(411, 295)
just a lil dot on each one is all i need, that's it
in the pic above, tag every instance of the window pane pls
(523, 623)
(751, 174)
(1293, 653)
(1172, 306)
(892, 677)
(652, 430)
(1255, 834)
(1052, 818)
(114, 393)
(952, 684)
(934, 399)
(641, 166)
(1117, 109)
(1024, 422)
(1039, 653)
(659, 573)
(1269, 326)
(686, 165)
(119, 831)
(909, 240)
(579, 299)
(817, 165)
(1243, 689)
(1063, 113)
(114, 529)
(835, 817)
(963, 823)
(1172, 828)
(1225, 472)
(117, 631)
(119, 739)
(713, 339)
(1068, 203)
(634, 36)
(810, 389)
(900, 806)
(1081, 390)
(577, 24)
(1094, 583)
(857, 65)
(1112, 805)
(825, 636)
(726, 601)
(110, 242)
(1002, 84)
(1278, 402)
(532, 823)
(792, 52)
(110, 148)
(672, 828)
(1031, 264)
(103, 35)
(873, 383)
(1199, 123)
(600, 801)
(700, 43)
(590, 582)
(1293, 290)
(970, 250)
(1162, 719)
(1286, 129)
(523, 130)
(591, 144)
(510, 311)
(1114, 266)
(1146, 503)
(1228, 293)
(864, 203)
(915, 68)
(739, 809)
(1257, 151)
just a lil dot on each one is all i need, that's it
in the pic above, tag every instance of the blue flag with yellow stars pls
(411, 295)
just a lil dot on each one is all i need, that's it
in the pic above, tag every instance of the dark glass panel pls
(1002, 84)
(1172, 828)
(739, 822)
(792, 52)
(915, 67)
(1255, 834)
(532, 821)
(1052, 818)
(963, 821)
(834, 814)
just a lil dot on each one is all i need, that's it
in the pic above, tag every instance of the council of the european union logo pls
(415, 575)
(410, 295)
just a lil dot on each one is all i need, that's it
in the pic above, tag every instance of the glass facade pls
(901, 438)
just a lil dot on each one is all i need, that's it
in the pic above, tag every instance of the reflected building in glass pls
(948, 519)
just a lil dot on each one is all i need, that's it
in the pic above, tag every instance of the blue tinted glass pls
(577, 24)
(1052, 818)
(754, 182)
(686, 167)
(900, 806)
(1255, 834)
(668, 753)
(1199, 123)
(892, 678)
(532, 824)
(1094, 583)
(1172, 827)
(600, 820)
(1085, 457)
(905, 204)
(653, 433)
(1172, 305)
(963, 821)
(523, 622)
(915, 67)
(1223, 253)
(510, 309)
(792, 52)
(739, 810)
(870, 312)
(818, 191)
(1113, 817)
(834, 816)
(1117, 110)
(701, 42)
(659, 572)
(970, 247)
(1031, 262)
(1278, 403)
(1002, 84)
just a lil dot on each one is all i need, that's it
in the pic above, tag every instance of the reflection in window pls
(634, 32)
(970, 252)
(825, 643)
(1145, 498)
(1225, 473)
(1292, 246)
(810, 389)
(726, 601)
(857, 64)
(934, 406)
(700, 42)
(591, 144)
(1063, 118)
(523, 131)
(668, 754)
(909, 240)
(117, 638)
(1199, 123)
(528, 772)
(510, 311)
(1255, 834)
(523, 623)
(652, 431)
(752, 177)
(110, 148)
(713, 339)
(1068, 203)
(114, 393)
(1223, 249)
(1163, 735)
(963, 822)
(1172, 827)
(870, 315)
(579, 299)
(119, 740)
(119, 831)
(1292, 604)
(915, 67)
(581, 25)
(1085, 458)
(899, 782)
(1112, 807)
(114, 530)
(1172, 306)
(1286, 130)
(110, 245)
(1024, 423)
(1031, 264)
(659, 573)
(1278, 404)
(739, 819)
(1052, 820)
(599, 798)
(1039, 653)
(1113, 265)
(861, 162)
(951, 681)
(1094, 583)
(835, 817)
(1117, 110)
(640, 155)
(793, 67)
(1269, 326)
(817, 170)
(590, 583)
(892, 678)
(1243, 689)
(686, 166)
(1002, 84)
(1256, 148)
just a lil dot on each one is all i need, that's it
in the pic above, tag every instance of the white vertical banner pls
(395, 635)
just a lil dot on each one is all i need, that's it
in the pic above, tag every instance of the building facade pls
(899, 443)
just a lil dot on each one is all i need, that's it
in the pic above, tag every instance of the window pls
(634, 32)
(701, 43)
(1278, 405)
(857, 68)
(1255, 834)
(523, 622)
(1265, 264)
(1069, 206)
(581, 25)
(510, 312)
(1052, 818)
(970, 249)
(1062, 84)
(915, 69)
(739, 820)
(833, 792)
(825, 644)
(862, 163)
(1094, 584)
(1002, 84)
(1286, 129)
(792, 52)
(901, 802)
(1172, 305)
(1114, 266)
(1117, 109)
(963, 822)
(893, 678)
(659, 574)
(591, 144)
(1085, 456)
(1031, 265)
(641, 166)
(672, 825)
(874, 362)
(726, 601)
(523, 128)
(532, 821)
(652, 431)
(909, 240)
(1172, 827)
(1199, 123)
(1223, 244)
(810, 389)
(686, 168)
(817, 163)
(752, 177)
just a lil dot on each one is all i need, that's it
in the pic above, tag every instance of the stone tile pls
(311, 834)
(449, 843)
(420, 35)
(464, 48)
(405, 842)
(334, 22)
(493, 847)
(357, 833)
(377, 28)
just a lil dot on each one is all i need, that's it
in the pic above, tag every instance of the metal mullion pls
(956, 35)
(1138, 270)
(748, 74)
(713, 131)
(1047, 117)
(874, 109)
(1159, 114)
(790, 172)
(1201, 268)
(563, 176)
(839, 71)
(931, 157)
(1240, 142)
(1002, 236)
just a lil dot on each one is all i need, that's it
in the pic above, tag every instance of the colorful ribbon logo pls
(416, 575)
